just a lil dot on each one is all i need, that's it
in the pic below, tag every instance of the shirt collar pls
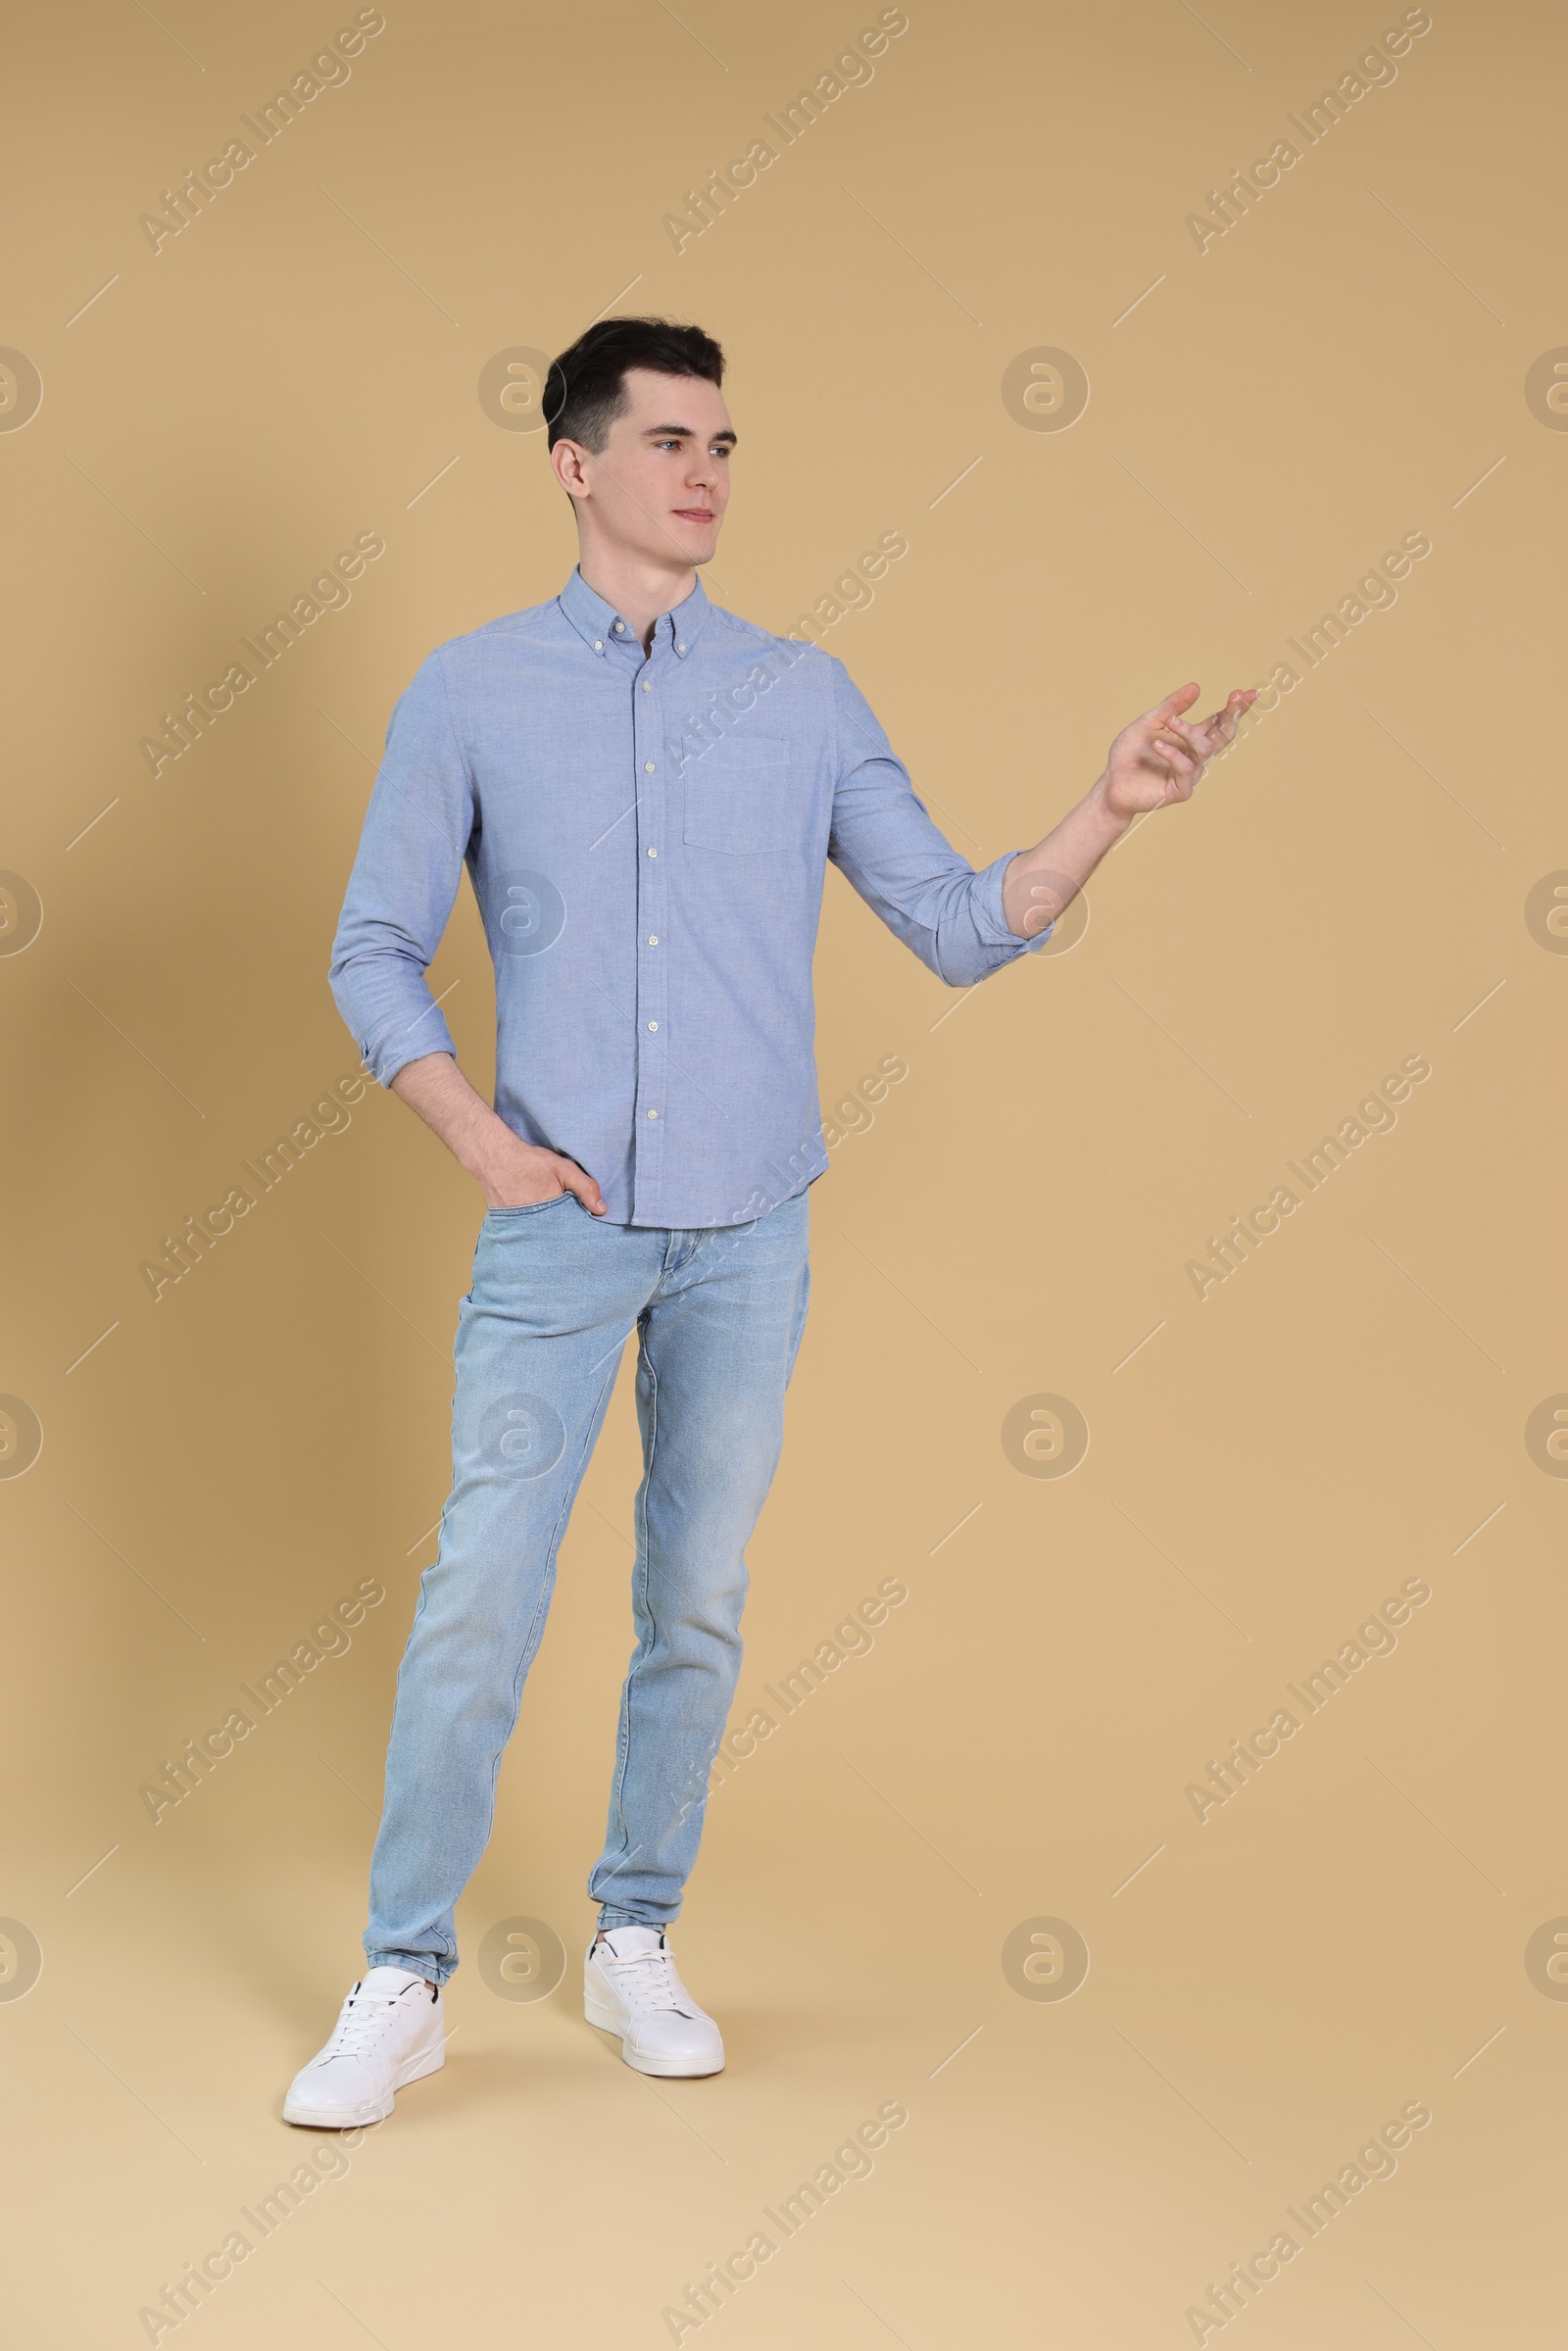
(595, 621)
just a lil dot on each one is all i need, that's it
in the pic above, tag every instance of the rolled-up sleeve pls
(884, 843)
(405, 882)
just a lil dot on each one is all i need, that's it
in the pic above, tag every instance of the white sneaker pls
(631, 1988)
(391, 2031)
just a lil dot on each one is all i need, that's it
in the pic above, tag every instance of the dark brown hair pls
(585, 390)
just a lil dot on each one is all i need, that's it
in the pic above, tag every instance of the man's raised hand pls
(1160, 757)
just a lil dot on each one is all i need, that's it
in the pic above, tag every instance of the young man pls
(646, 791)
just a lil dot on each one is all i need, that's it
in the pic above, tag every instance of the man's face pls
(660, 486)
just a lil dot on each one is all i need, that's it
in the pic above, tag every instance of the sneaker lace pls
(646, 1979)
(360, 2027)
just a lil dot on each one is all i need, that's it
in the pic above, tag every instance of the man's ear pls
(566, 462)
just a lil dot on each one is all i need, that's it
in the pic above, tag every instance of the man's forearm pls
(1041, 880)
(436, 1088)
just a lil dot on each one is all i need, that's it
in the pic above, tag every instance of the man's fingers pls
(1175, 704)
(1240, 700)
(1176, 749)
(1206, 736)
(578, 1178)
(1173, 730)
(1223, 724)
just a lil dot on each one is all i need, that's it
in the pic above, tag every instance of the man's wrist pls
(1110, 821)
(482, 1143)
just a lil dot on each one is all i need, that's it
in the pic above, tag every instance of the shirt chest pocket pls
(740, 797)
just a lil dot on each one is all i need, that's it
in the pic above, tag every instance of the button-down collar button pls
(620, 628)
(680, 649)
(598, 644)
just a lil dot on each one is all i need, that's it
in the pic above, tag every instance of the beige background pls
(1266, 417)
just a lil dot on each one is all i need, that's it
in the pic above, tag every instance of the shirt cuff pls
(989, 919)
(429, 1034)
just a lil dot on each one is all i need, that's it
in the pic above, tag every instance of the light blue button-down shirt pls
(647, 836)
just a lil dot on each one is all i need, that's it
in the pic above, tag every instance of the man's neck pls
(640, 591)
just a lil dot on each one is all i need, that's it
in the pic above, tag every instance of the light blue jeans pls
(556, 1291)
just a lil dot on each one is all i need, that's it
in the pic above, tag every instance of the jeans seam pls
(623, 1759)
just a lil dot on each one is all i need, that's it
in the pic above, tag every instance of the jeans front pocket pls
(530, 1207)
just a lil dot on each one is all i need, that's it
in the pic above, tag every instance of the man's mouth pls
(695, 513)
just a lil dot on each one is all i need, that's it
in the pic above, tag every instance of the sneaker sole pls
(668, 2068)
(340, 2118)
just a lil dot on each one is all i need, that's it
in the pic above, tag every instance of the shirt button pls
(653, 938)
(598, 644)
(648, 766)
(652, 853)
(620, 628)
(652, 1113)
(653, 1024)
(680, 649)
(646, 688)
